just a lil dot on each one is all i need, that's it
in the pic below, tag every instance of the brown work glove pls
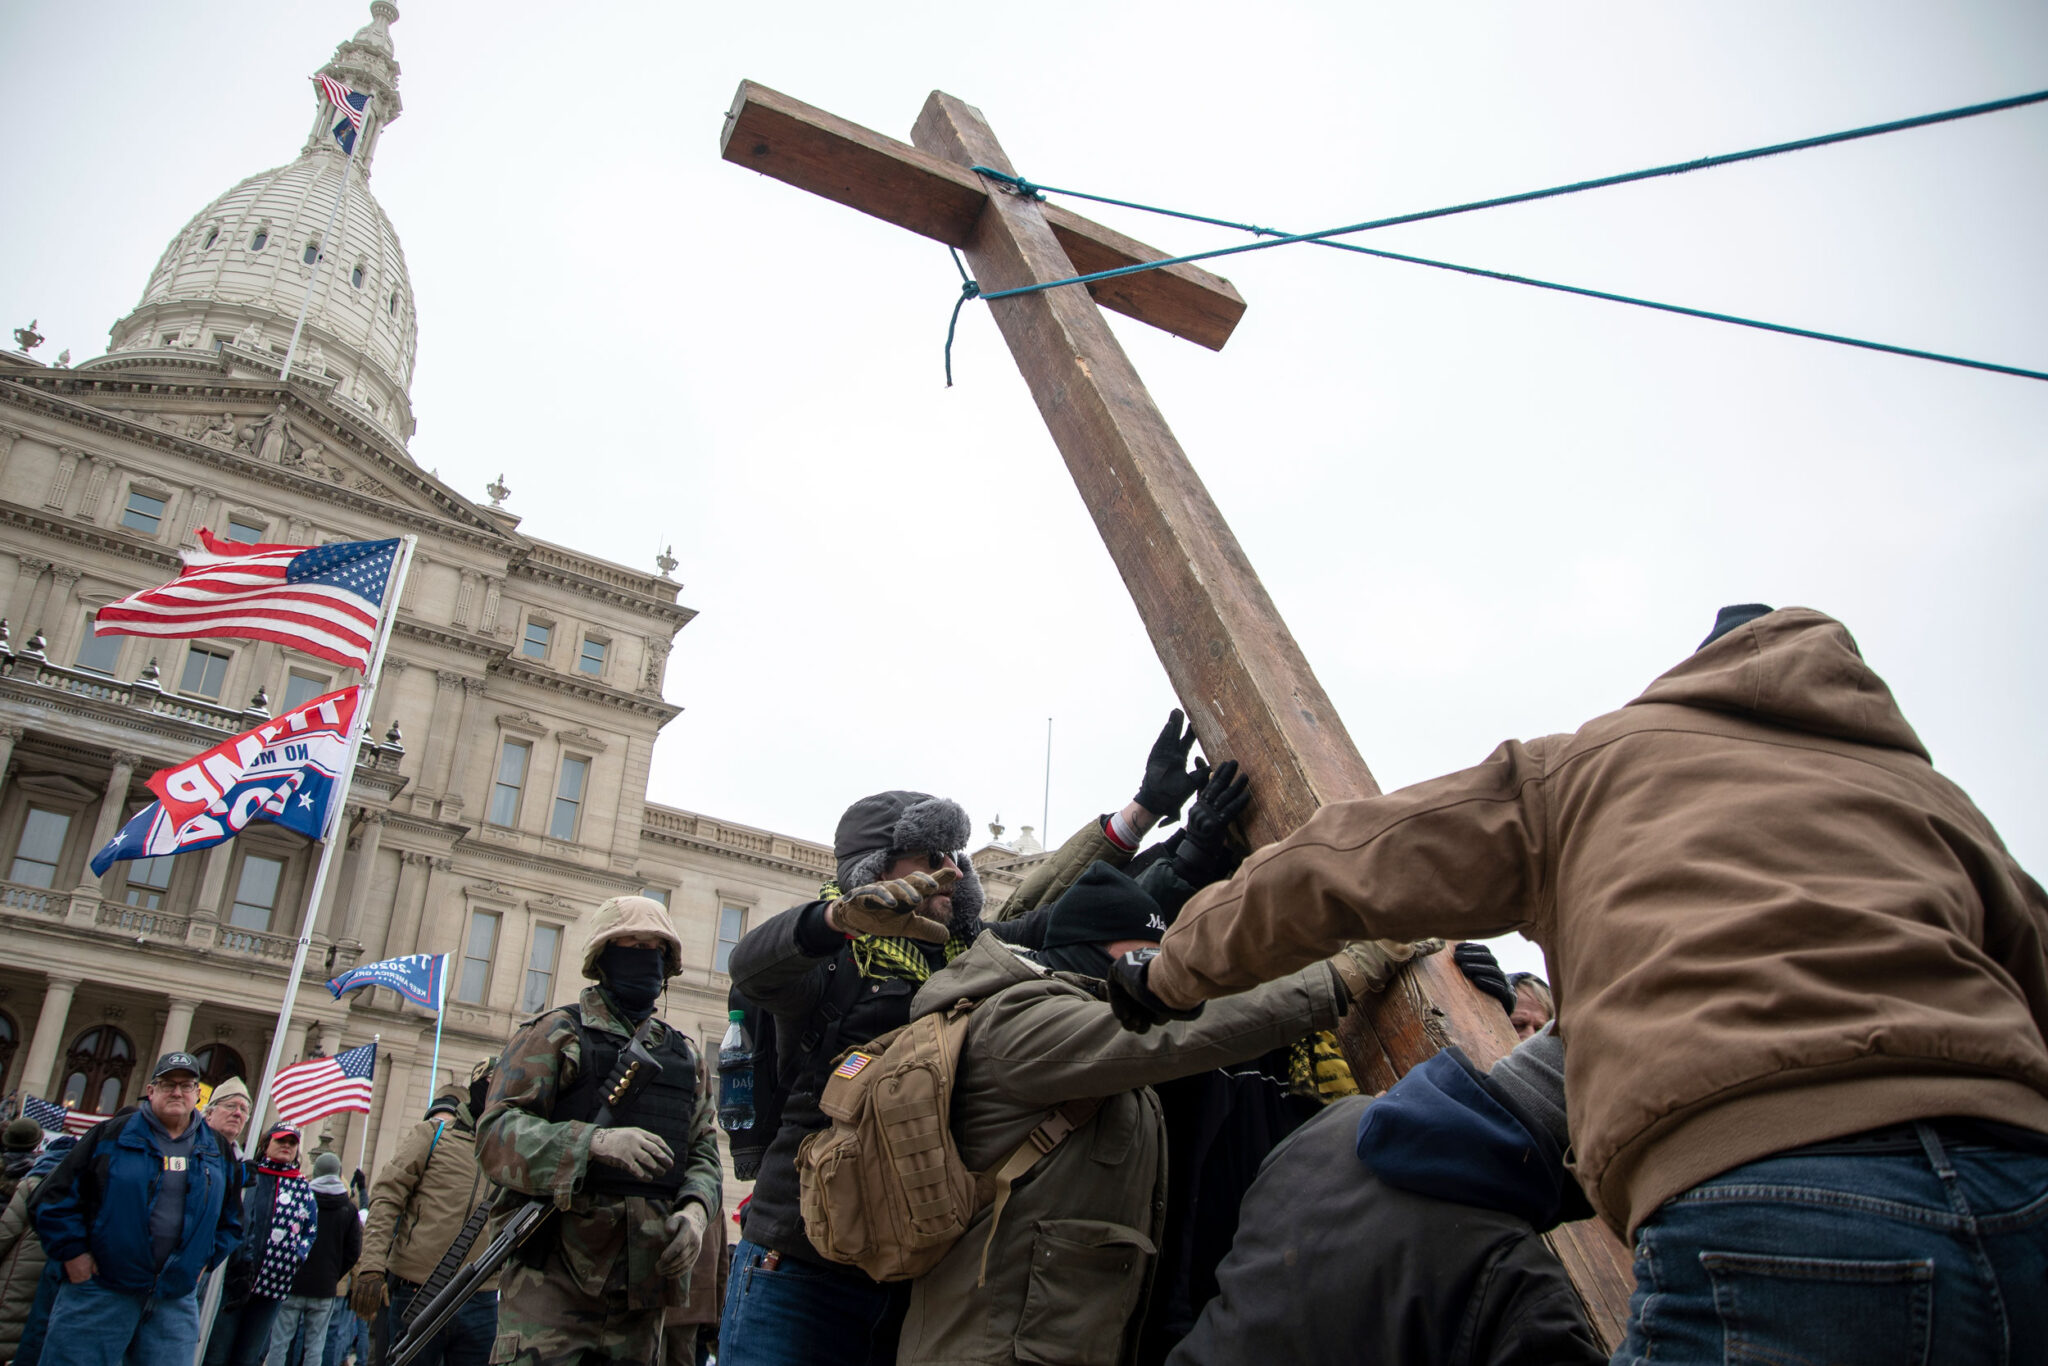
(1369, 964)
(685, 1230)
(369, 1296)
(889, 908)
(644, 1154)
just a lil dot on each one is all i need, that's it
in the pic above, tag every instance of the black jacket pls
(801, 971)
(335, 1247)
(1337, 1263)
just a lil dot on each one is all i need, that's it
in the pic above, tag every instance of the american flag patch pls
(851, 1067)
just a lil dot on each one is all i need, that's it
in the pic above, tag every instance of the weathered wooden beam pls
(804, 146)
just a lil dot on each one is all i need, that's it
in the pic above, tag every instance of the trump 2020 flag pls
(319, 1087)
(325, 600)
(421, 978)
(284, 771)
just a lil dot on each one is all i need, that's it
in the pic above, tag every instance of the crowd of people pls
(1794, 1056)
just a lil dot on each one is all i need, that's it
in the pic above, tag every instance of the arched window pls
(10, 1038)
(312, 252)
(212, 236)
(394, 303)
(217, 1062)
(357, 275)
(257, 242)
(96, 1070)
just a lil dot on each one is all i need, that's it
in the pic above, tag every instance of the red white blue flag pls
(325, 600)
(319, 1087)
(421, 978)
(284, 771)
(354, 106)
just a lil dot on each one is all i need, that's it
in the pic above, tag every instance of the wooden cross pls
(1232, 661)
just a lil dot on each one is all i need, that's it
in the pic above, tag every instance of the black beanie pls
(1728, 618)
(1102, 907)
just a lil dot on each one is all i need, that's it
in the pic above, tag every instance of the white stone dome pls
(237, 272)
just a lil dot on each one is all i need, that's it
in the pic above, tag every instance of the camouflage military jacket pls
(530, 1154)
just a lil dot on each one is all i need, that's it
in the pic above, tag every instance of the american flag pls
(353, 104)
(48, 1114)
(324, 600)
(320, 1087)
(78, 1121)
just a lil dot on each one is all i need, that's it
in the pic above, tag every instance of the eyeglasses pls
(177, 1087)
(935, 860)
(233, 1107)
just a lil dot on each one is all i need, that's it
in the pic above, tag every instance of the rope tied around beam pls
(969, 289)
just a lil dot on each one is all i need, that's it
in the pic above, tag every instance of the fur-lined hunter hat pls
(875, 830)
(619, 916)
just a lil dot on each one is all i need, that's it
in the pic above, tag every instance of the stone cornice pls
(577, 686)
(48, 392)
(564, 569)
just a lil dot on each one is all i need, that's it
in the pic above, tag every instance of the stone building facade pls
(505, 793)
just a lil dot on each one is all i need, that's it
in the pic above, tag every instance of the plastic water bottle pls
(736, 1075)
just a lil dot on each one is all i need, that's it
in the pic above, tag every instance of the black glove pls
(1483, 970)
(1133, 1003)
(237, 1282)
(1168, 781)
(1205, 855)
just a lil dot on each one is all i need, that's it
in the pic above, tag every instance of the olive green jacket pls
(1072, 1253)
(1055, 874)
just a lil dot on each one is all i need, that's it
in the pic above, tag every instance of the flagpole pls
(363, 1146)
(393, 590)
(348, 166)
(440, 1009)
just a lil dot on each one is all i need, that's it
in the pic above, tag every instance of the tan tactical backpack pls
(884, 1188)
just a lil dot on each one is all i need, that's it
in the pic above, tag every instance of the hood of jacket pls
(1794, 667)
(986, 967)
(329, 1191)
(1448, 1132)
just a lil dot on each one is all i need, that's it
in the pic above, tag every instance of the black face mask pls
(634, 977)
(478, 1089)
(1085, 959)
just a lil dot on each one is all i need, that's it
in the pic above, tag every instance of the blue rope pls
(968, 290)
(1675, 168)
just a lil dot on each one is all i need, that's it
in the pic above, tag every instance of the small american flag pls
(324, 600)
(78, 1121)
(320, 1087)
(354, 106)
(852, 1066)
(48, 1114)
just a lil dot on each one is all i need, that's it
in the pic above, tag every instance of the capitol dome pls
(235, 276)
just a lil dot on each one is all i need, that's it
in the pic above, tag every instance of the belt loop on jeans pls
(1930, 1143)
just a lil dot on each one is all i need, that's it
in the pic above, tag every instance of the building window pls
(212, 236)
(248, 533)
(301, 688)
(206, 672)
(592, 659)
(536, 644)
(220, 341)
(41, 847)
(355, 277)
(256, 892)
(96, 1070)
(170, 339)
(540, 969)
(656, 894)
(144, 513)
(732, 923)
(148, 880)
(393, 306)
(568, 797)
(511, 778)
(10, 1039)
(312, 252)
(476, 958)
(97, 653)
(260, 240)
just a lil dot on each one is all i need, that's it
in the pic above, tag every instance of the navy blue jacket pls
(99, 1198)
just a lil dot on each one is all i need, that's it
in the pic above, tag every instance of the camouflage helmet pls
(621, 916)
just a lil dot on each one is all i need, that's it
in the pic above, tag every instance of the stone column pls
(423, 930)
(488, 625)
(406, 903)
(465, 594)
(295, 1041)
(112, 805)
(177, 1028)
(26, 571)
(206, 906)
(446, 725)
(8, 735)
(47, 1048)
(452, 800)
(60, 484)
(394, 1115)
(95, 485)
(7, 439)
(364, 859)
(56, 614)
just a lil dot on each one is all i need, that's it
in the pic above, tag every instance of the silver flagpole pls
(348, 167)
(392, 591)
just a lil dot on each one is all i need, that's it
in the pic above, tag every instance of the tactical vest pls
(664, 1106)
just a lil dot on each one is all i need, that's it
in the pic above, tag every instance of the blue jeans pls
(241, 1336)
(1922, 1245)
(345, 1335)
(467, 1339)
(313, 1310)
(95, 1325)
(31, 1348)
(802, 1314)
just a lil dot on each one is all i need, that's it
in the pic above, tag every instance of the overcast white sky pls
(1485, 511)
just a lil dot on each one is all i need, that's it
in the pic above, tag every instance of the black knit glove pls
(1169, 782)
(1205, 855)
(1133, 1003)
(1483, 970)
